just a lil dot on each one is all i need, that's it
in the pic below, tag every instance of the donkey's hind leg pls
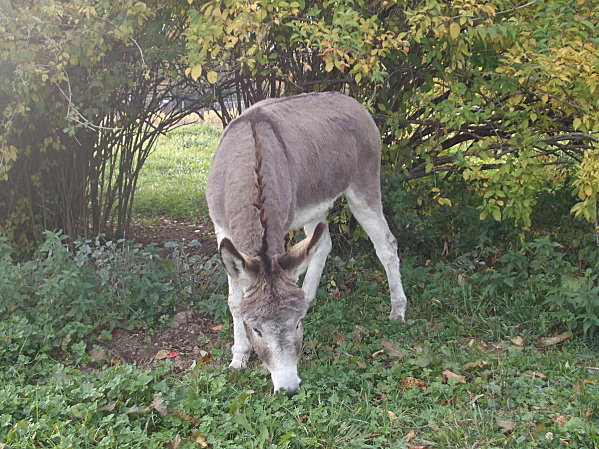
(312, 278)
(368, 210)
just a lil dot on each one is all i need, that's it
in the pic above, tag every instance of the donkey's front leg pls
(241, 345)
(314, 272)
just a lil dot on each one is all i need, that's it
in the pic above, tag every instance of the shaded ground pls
(191, 334)
(182, 232)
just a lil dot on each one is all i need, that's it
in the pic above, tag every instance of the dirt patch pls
(191, 336)
(181, 232)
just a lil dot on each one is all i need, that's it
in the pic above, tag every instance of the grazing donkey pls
(280, 166)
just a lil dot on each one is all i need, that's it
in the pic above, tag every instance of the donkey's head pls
(273, 306)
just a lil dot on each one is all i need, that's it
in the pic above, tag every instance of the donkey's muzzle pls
(286, 379)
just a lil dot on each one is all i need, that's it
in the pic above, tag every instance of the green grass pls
(355, 364)
(173, 180)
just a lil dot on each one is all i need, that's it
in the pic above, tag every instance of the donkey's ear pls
(239, 267)
(297, 259)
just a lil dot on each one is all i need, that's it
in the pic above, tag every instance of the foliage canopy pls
(503, 93)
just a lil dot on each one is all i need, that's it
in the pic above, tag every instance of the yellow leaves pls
(212, 77)
(454, 30)
(196, 71)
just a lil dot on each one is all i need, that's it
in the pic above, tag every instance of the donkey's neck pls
(243, 217)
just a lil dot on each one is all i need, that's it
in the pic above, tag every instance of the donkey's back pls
(315, 146)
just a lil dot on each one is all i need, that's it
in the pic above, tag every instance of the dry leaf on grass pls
(162, 354)
(477, 364)
(451, 375)
(550, 341)
(517, 341)
(410, 382)
(201, 440)
(377, 353)
(372, 435)
(535, 374)
(392, 416)
(218, 327)
(391, 348)
(158, 405)
(176, 442)
(410, 436)
(506, 424)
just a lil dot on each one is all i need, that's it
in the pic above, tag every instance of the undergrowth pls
(470, 367)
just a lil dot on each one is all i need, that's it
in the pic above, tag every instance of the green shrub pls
(62, 297)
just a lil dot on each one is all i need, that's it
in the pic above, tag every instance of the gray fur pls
(312, 148)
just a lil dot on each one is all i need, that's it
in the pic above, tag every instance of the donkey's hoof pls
(239, 362)
(395, 314)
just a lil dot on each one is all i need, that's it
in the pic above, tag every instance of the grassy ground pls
(471, 368)
(173, 180)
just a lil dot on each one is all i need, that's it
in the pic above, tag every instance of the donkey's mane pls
(258, 203)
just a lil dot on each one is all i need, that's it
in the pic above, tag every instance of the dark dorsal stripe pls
(258, 203)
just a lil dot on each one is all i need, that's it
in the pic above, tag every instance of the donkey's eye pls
(257, 332)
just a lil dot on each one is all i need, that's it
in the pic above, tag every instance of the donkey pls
(280, 165)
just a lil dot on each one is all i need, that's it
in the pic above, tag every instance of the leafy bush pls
(534, 288)
(61, 297)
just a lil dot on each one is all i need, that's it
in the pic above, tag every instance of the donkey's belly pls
(311, 213)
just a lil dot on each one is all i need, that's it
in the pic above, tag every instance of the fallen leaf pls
(475, 397)
(391, 348)
(137, 409)
(171, 355)
(158, 405)
(535, 374)
(218, 327)
(374, 354)
(410, 436)
(392, 416)
(417, 447)
(205, 359)
(116, 361)
(451, 375)
(201, 441)
(107, 408)
(550, 341)
(477, 364)
(162, 354)
(176, 442)
(99, 354)
(410, 382)
(372, 435)
(517, 341)
(561, 420)
(590, 382)
(564, 441)
(506, 424)
(184, 416)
